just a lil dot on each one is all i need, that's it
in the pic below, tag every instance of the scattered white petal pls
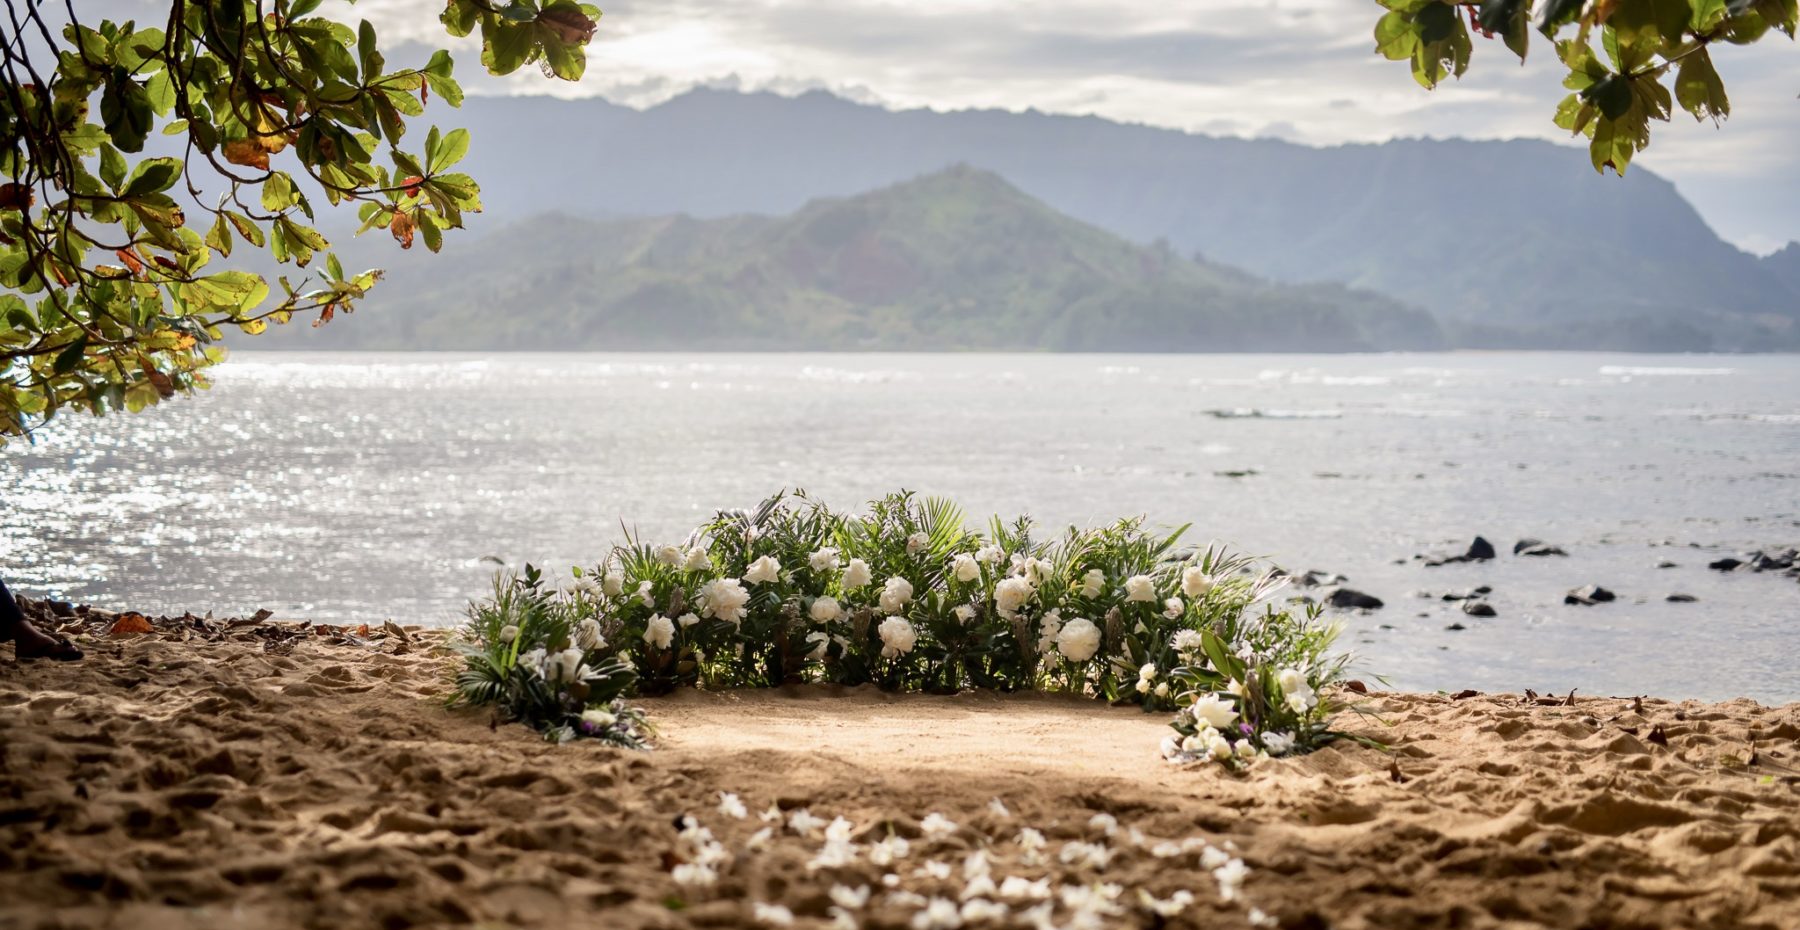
(939, 914)
(936, 826)
(773, 915)
(731, 806)
(848, 898)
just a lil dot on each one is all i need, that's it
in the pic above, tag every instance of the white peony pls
(671, 555)
(857, 574)
(1278, 744)
(1093, 584)
(1148, 672)
(565, 665)
(587, 635)
(916, 543)
(696, 560)
(1162, 690)
(1035, 570)
(508, 633)
(966, 568)
(724, 599)
(1011, 594)
(1195, 582)
(1188, 641)
(1078, 640)
(825, 610)
(613, 584)
(897, 637)
(1140, 588)
(964, 613)
(895, 595)
(763, 571)
(990, 554)
(659, 632)
(824, 560)
(687, 620)
(1215, 711)
(1173, 607)
(821, 642)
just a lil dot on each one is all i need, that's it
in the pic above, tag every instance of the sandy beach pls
(260, 774)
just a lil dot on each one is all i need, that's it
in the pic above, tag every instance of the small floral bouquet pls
(533, 654)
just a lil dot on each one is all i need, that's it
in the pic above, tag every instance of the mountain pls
(958, 259)
(1785, 266)
(1511, 243)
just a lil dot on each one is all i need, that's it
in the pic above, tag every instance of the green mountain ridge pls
(955, 260)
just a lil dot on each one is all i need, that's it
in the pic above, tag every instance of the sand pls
(272, 776)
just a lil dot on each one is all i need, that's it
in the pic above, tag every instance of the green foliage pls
(115, 303)
(1615, 97)
(532, 654)
(905, 597)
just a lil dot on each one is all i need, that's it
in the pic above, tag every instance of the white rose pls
(1173, 607)
(645, 594)
(1093, 583)
(1218, 747)
(613, 584)
(895, 595)
(1078, 640)
(567, 665)
(897, 637)
(1140, 588)
(824, 560)
(671, 555)
(1148, 672)
(1195, 582)
(964, 613)
(1162, 690)
(1214, 710)
(598, 718)
(587, 634)
(990, 554)
(1011, 594)
(825, 610)
(966, 568)
(916, 542)
(696, 560)
(857, 574)
(1278, 744)
(660, 632)
(763, 571)
(1299, 692)
(508, 633)
(724, 599)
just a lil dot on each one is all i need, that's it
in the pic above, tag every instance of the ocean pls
(363, 487)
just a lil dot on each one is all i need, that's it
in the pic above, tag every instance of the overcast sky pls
(1302, 70)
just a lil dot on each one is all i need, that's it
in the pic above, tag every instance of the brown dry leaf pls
(131, 260)
(130, 623)
(362, 629)
(247, 152)
(15, 196)
(571, 26)
(402, 228)
(1356, 686)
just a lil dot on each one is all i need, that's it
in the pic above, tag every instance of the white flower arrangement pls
(904, 596)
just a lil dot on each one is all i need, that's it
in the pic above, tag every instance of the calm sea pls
(359, 487)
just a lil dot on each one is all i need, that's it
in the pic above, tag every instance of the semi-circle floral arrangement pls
(905, 597)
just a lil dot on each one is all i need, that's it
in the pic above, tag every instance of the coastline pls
(213, 772)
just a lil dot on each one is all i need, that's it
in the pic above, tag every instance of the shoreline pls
(210, 772)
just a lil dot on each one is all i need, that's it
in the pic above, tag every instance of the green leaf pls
(112, 167)
(506, 46)
(448, 151)
(1511, 20)
(125, 111)
(160, 91)
(278, 193)
(153, 176)
(246, 228)
(1611, 94)
(219, 236)
(68, 359)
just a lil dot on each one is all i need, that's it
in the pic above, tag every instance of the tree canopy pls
(1646, 48)
(116, 298)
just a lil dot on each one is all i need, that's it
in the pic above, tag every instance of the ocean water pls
(359, 487)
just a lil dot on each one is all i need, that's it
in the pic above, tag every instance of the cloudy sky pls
(1302, 70)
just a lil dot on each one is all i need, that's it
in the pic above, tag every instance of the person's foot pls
(33, 643)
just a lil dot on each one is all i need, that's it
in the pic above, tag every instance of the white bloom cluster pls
(1195, 582)
(1188, 643)
(857, 574)
(1011, 594)
(1078, 640)
(1140, 588)
(765, 570)
(1174, 607)
(1296, 690)
(825, 610)
(724, 599)
(696, 560)
(897, 637)
(895, 595)
(990, 554)
(659, 633)
(916, 543)
(587, 635)
(1146, 678)
(823, 560)
(965, 568)
(1093, 584)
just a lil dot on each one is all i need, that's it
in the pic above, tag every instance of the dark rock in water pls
(1724, 565)
(1468, 595)
(1314, 578)
(1455, 626)
(1479, 609)
(1484, 589)
(1480, 550)
(1681, 598)
(1772, 561)
(1302, 599)
(1665, 563)
(1536, 547)
(1591, 594)
(1350, 597)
